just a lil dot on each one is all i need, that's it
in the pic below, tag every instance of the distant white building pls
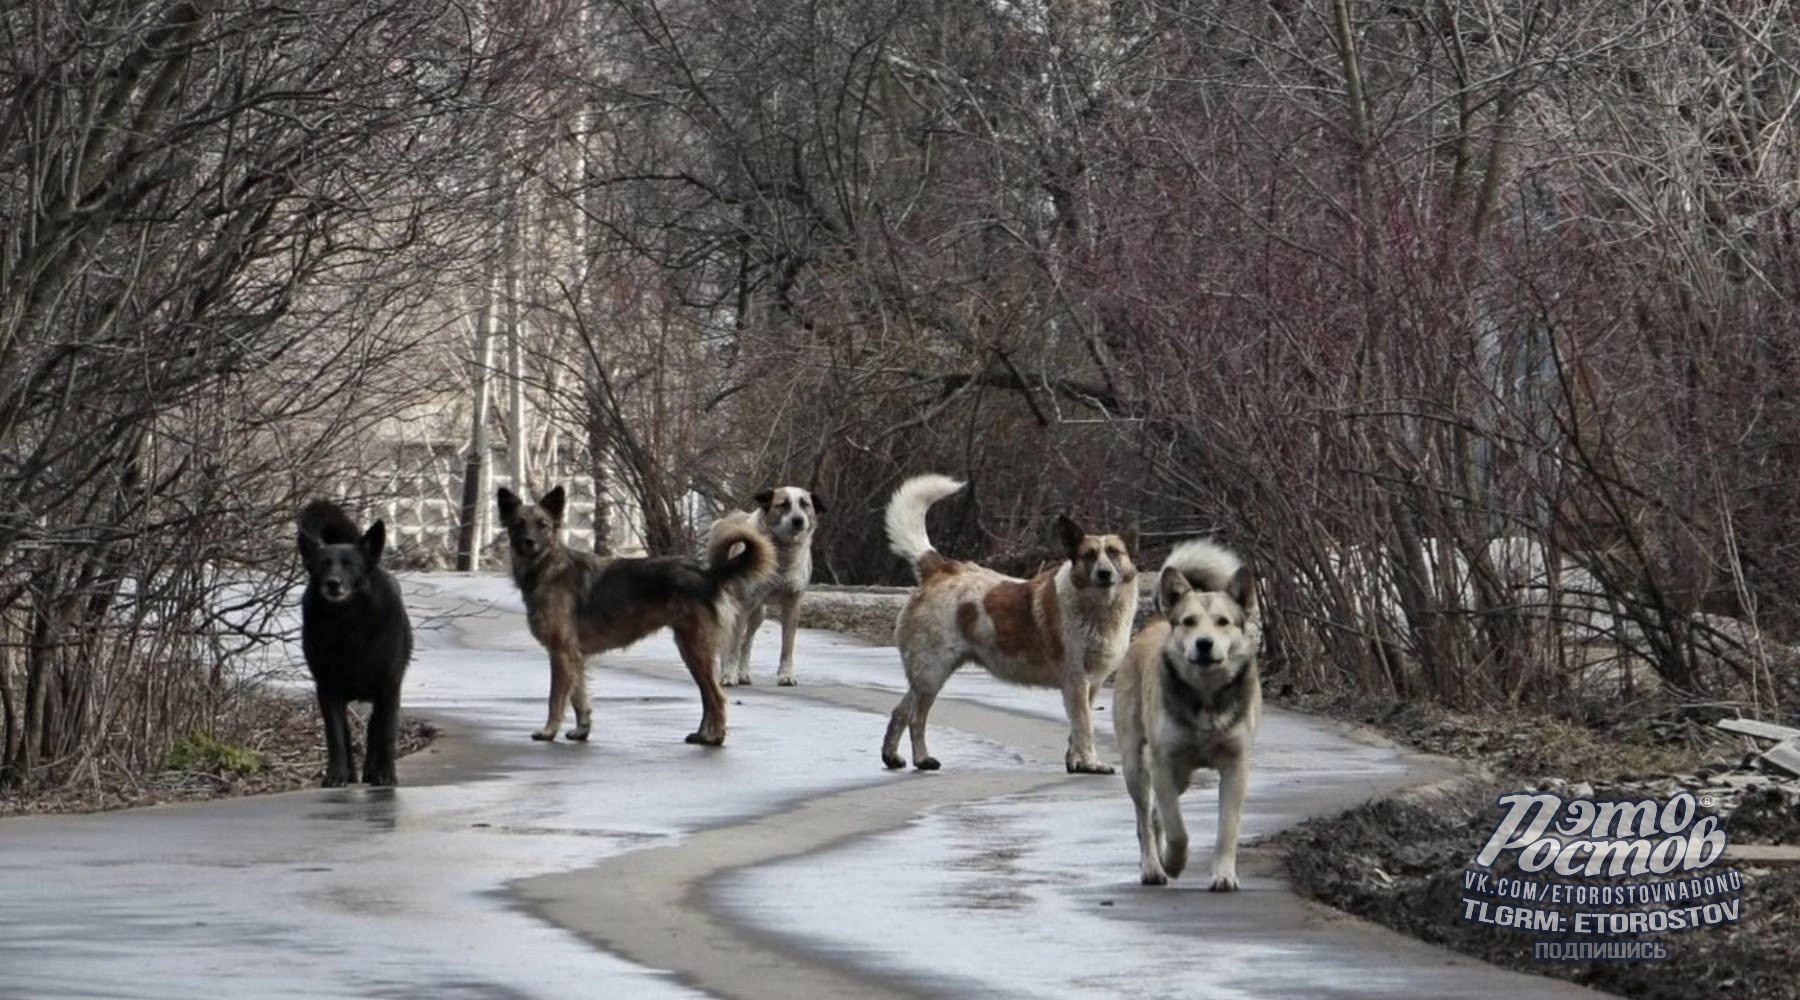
(422, 452)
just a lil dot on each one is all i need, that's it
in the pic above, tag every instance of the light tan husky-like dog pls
(1064, 628)
(1189, 696)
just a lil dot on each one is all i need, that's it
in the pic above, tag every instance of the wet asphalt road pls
(787, 864)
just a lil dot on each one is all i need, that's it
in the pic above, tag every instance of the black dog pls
(357, 639)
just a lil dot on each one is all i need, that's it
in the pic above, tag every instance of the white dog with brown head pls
(787, 516)
(1187, 696)
(1064, 628)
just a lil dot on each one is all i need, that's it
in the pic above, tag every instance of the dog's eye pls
(1224, 623)
(1190, 622)
(1114, 551)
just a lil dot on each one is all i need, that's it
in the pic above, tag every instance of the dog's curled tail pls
(1207, 565)
(755, 561)
(326, 523)
(906, 515)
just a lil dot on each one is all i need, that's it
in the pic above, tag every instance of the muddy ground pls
(273, 741)
(1399, 862)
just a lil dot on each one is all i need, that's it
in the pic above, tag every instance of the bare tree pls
(1397, 297)
(218, 226)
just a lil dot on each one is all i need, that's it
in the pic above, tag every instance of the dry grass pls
(281, 733)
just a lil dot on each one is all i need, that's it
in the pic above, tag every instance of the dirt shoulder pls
(1401, 861)
(1637, 752)
(866, 613)
(272, 741)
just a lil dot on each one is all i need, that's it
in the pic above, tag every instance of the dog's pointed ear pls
(762, 499)
(509, 506)
(818, 501)
(553, 502)
(1242, 589)
(373, 541)
(1171, 588)
(1069, 534)
(309, 546)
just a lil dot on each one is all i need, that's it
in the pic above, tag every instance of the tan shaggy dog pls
(787, 517)
(1064, 628)
(1189, 696)
(579, 603)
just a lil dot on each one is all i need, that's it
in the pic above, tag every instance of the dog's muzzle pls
(333, 590)
(527, 548)
(1105, 577)
(1202, 652)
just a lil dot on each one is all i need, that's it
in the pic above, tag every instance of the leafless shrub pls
(1458, 317)
(216, 221)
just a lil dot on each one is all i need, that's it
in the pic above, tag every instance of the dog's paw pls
(706, 739)
(729, 680)
(786, 681)
(1153, 878)
(927, 764)
(579, 734)
(893, 761)
(1174, 858)
(1087, 767)
(544, 735)
(381, 781)
(1224, 882)
(335, 781)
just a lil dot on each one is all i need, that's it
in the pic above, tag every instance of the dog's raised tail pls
(753, 562)
(326, 522)
(906, 515)
(1207, 565)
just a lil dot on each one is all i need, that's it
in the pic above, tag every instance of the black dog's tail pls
(327, 523)
(756, 561)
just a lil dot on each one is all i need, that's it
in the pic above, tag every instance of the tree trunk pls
(471, 537)
(515, 348)
(9, 774)
(599, 464)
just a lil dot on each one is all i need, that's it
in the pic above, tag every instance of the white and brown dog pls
(1064, 628)
(1189, 696)
(787, 517)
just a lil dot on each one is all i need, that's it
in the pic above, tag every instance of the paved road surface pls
(788, 864)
